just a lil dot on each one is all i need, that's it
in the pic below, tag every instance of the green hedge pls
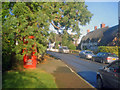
(110, 49)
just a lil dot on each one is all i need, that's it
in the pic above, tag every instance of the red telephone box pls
(30, 60)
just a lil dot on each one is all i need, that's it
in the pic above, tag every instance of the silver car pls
(104, 57)
(86, 54)
(64, 49)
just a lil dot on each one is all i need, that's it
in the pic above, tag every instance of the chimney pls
(88, 30)
(95, 27)
(102, 25)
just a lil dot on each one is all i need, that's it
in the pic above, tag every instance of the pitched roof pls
(96, 34)
(105, 35)
(109, 35)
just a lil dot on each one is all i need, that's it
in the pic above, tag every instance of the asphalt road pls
(85, 68)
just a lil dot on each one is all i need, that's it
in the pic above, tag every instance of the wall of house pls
(90, 45)
(51, 45)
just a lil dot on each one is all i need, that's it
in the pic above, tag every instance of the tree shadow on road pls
(89, 76)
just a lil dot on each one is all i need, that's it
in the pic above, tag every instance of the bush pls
(110, 49)
(56, 45)
(72, 47)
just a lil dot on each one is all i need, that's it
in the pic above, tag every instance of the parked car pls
(104, 57)
(64, 49)
(86, 54)
(109, 76)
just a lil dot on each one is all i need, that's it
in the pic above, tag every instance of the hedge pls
(110, 49)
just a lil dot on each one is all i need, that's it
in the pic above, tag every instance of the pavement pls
(87, 69)
(64, 76)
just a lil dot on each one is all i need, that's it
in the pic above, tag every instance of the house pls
(104, 36)
(51, 45)
(53, 41)
(58, 38)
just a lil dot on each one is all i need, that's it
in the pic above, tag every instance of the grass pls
(31, 78)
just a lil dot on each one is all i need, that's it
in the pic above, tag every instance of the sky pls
(103, 12)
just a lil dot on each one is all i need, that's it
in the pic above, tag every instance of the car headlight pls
(64, 50)
(89, 56)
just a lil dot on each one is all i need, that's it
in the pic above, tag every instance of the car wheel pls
(103, 62)
(99, 83)
(79, 56)
(85, 57)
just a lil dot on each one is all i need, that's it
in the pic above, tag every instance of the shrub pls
(56, 45)
(110, 49)
(72, 47)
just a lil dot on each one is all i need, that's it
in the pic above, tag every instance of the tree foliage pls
(65, 39)
(68, 41)
(52, 37)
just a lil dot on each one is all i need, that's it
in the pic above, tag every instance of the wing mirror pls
(110, 69)
(106, 69)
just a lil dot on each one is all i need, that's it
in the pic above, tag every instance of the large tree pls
(23, 19)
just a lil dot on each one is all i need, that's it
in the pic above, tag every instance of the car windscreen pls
(112, 55)
(99, 54)
(65, 48)
(88, 52)
(102, 54)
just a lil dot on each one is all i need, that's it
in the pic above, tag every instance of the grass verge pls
(29, 78)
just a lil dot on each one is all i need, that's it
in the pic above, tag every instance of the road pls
(85, 68)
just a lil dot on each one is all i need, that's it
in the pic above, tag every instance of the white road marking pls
(80, 77)
(69, 68)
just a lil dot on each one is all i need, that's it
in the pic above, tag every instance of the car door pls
(103, 57)
(98, 57)
(111, 75)
(81, 54)
(84, 54)
(95, 57)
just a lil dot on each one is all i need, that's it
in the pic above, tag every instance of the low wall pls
(71, 51)
(75, 51)
(54, 50)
